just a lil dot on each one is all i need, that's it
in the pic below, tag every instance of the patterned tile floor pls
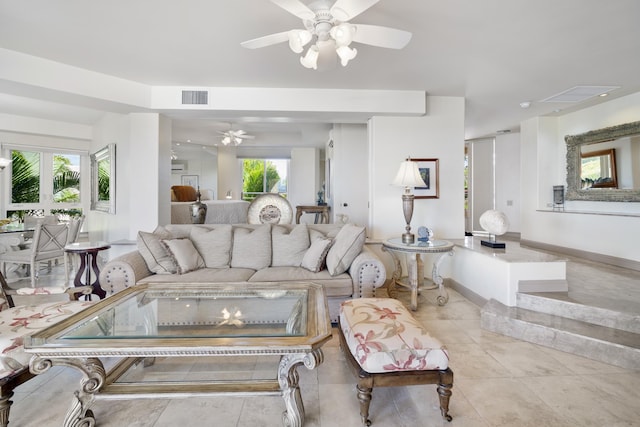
(499, 381)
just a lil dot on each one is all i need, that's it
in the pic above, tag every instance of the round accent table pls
(88, 253)
(415, 267)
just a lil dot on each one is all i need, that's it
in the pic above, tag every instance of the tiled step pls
(608, 345)
(612, 313)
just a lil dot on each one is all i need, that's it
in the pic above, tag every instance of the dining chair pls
(75, 225)
(48, 244)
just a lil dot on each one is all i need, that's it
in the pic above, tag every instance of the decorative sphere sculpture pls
(494, 222)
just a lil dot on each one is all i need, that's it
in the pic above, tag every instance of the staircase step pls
(608, 312)
(608, 345)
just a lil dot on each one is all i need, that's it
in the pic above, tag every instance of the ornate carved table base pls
(94, 381)
(415, 268)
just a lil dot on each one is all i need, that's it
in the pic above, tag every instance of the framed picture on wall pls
(191, 180)
(429, 173)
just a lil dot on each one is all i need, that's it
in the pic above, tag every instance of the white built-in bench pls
(500, 274)
(386, 346)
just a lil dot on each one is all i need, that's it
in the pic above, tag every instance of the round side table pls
(88, 253)
(415, 266)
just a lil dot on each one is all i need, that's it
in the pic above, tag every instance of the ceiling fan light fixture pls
(343, 34)
(298, 39)
(346, 54)
(310, 60)
(226, 140)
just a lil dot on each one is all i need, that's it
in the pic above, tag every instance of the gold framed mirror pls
(616, 151)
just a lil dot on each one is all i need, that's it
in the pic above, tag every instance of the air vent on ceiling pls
(195, 97)
(580, 93)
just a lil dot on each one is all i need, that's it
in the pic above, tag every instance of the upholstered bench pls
(16, 322)
(386, 346)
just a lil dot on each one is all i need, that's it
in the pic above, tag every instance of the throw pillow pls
(314, 259)
(251, 247)
(213, 244)
(155, 255)
(346, 247)
(289, 245)
(184, 254)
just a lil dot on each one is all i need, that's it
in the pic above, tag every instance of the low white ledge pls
(501, 273)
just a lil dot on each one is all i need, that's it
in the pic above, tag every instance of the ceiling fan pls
(234, 136)
(328, 25)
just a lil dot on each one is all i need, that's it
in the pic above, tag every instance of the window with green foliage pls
(44, 183)
(261, 176)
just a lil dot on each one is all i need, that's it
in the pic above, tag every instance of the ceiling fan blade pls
(266, 40)
(344, 10)
(245, 136)
(297, 8)
(376, 35)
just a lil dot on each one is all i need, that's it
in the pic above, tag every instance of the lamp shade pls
(408, 175)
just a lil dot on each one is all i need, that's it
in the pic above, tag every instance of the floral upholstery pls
(17, 322)
(383, 336)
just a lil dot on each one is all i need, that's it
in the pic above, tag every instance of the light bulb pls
(310, 60)
(346, 54)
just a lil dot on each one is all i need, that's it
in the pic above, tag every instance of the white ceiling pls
(495, 53)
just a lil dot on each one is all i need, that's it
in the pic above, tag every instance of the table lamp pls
(408, 177)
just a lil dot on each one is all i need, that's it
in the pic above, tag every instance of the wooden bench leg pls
(364, 396)
(444, 392)
(5, 405)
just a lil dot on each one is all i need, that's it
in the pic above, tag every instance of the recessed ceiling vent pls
(580, 93)
(195, 97)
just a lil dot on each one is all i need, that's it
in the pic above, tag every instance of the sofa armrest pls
(368, 273)
(123, 272)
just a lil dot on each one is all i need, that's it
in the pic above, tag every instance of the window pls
(44, 183)
(261, 176)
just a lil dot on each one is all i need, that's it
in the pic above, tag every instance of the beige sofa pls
(330, 254)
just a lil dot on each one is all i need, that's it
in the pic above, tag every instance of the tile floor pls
(499, 381)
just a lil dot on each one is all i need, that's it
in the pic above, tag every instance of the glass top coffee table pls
(152, 323)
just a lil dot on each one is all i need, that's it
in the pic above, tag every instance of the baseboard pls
(591, 256)
(465, 292)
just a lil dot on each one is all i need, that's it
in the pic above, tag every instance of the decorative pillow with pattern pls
(154, 253)
(184, 254)
(315, 257)
(346, 246)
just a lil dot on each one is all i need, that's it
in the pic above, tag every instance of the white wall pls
(543, 164)
(304, 177)
(113, 128)
(350, 173)
(507, 173)
(439, 134)
(229, 173)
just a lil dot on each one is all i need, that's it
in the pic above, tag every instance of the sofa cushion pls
(154, 253)
(204, 275)
(213, 244)
(334, 286)
(345, 248)
(251, 247)
(289, 245)
(383, 336)
(315, 257)
(184, 254)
